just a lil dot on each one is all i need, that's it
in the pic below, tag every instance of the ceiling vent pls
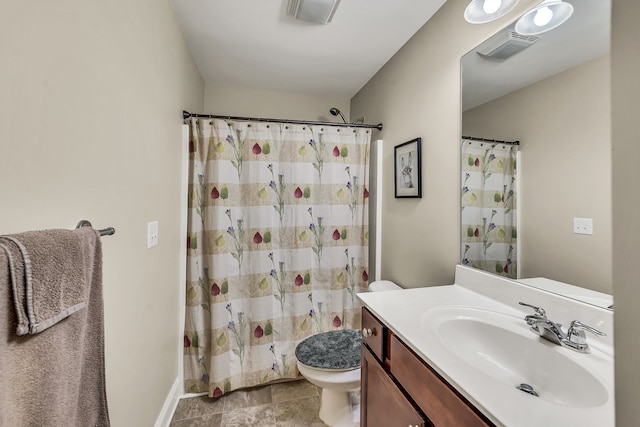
(314, 11)
(506, 44)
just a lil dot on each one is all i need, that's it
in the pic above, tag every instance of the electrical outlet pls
(152, 234)
(583, 225)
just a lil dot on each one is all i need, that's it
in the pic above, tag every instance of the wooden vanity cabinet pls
(399, 389)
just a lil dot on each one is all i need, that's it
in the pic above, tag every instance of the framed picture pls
(407, 168)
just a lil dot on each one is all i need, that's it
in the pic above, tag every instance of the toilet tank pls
(383, 285)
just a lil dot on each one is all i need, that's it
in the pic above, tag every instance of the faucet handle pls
(576, 338)
(539, 310)
(577, 328)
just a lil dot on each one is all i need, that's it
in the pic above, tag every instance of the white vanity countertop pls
(405, 312)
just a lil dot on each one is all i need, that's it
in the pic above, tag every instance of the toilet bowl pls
(331, 361)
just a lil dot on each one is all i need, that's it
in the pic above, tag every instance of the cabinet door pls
(382, 403)
(443, 405)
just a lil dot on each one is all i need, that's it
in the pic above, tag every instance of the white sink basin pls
(503, 349)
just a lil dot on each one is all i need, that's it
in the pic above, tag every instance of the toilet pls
(331, 361)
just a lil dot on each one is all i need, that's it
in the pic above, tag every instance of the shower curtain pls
(489, 216)
(277, 246)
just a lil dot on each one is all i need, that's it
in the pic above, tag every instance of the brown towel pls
(54, 375)
(55, 279)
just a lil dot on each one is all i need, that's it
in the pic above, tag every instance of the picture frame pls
(407, 169)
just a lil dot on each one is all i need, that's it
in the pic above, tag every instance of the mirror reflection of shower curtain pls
(489, 229)
(277, 246)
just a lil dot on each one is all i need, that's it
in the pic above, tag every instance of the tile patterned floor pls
(290, 404)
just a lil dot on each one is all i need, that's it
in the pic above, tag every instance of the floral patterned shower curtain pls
(277, 246)
(489, 216)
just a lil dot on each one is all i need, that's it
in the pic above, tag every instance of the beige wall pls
(625, 69)
(564, 125)
(230, 100)
(417, 94)
(90, 128)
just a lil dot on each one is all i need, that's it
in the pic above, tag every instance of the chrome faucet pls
(574, 339)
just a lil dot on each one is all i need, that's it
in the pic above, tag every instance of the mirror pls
(554, 97)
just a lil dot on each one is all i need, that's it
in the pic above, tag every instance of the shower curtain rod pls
(473, 138)
(186, 115)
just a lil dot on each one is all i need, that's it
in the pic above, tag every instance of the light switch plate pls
(583, 225)
(152, 234)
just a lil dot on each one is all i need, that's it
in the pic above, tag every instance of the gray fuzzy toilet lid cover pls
(333, 350)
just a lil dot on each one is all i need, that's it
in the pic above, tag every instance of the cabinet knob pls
(367, 332)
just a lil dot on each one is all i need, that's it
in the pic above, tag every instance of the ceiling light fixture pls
(314, 11)
(545, 17)
(483, 11)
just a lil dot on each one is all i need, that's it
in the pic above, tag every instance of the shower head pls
(335, 112)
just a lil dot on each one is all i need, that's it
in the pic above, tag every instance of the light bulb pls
(491, 6)
(543, 16)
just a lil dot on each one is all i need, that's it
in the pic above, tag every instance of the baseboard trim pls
(170, 404)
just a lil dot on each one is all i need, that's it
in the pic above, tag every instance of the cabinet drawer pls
(444, 406)
(373, 334)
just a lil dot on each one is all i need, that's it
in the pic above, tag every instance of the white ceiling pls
(253, 43)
